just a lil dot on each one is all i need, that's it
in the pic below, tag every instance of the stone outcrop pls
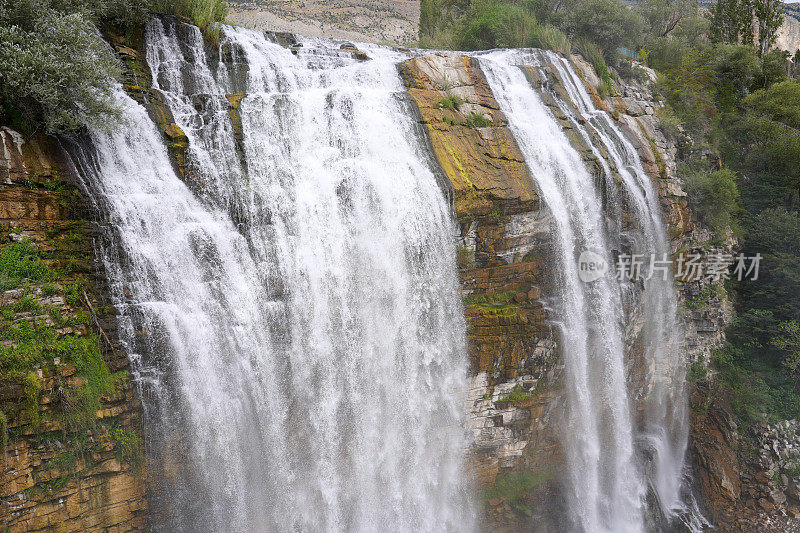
(469, 135)
(69, 415)
(505, 247)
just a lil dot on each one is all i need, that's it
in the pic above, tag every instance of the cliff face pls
(71, 433)
(517, 395)
(380, 21)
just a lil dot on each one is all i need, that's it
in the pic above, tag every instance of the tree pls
(788, 341)
(663, 16)
(769, 14)
(732, 22)
(609, 24)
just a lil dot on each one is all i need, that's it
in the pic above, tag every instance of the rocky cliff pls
(517, 396)
(69, 417)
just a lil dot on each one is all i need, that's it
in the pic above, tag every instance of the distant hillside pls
(389, 21)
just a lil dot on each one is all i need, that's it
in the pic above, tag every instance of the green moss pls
(464, 258)
(517, 394)
(20, 260)
(32, 386)
(704, 297)
(496, 304)
(127, 446)
(515, 488)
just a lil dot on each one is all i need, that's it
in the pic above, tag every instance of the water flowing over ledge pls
(290, 298)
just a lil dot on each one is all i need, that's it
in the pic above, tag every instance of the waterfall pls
(288, 294)
(292, 307)
(613, 460)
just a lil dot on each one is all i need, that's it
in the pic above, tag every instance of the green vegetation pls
(735, 117)
(476, 120)
(56, 73)
(450, 102)
(515, 488)
(127, 446)
(20, 261)
(31, 385)
(497, 305)
(713, 197)
(517, 394)
(465, 258)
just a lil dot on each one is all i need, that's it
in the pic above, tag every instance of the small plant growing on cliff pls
(451, 102)
(127, 446)
(517, 394)
(514, 489)
(465, 258)
(476, 120)
(31, 385)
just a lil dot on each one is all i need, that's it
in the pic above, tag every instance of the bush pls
(202, 13)
(450, 102)
(609, 24)
(495, 25)
(56, 73)
(714, 196)
(593, 55)
(549, 38)
(476, 120)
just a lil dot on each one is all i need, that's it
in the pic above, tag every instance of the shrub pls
(202, 13)
(127, 446)
(593, 55)
(609, 24)
(495, 25)
(714, 196)
(549, 38)
(31, 385)
(55, 70)
(476, 120)
(450, 102)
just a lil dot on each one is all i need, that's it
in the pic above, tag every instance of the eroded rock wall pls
(71, 445)
(505, 253)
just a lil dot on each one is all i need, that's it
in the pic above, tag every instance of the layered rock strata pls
(505, 253)
(69, 415)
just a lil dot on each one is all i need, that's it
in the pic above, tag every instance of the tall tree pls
(769, 14)
(732, 21)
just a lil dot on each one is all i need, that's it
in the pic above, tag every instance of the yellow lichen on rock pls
(469, 135)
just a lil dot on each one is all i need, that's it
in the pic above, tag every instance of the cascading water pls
(664, 432)
(605, 449)
(292, 306)
(295, 313)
